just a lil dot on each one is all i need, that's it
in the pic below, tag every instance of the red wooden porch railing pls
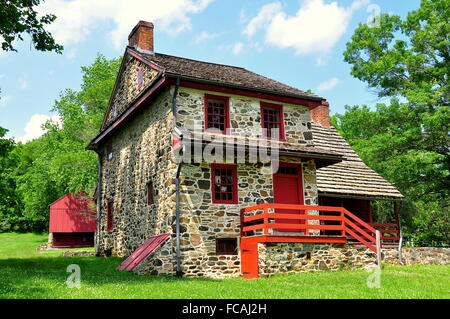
(269, 222)
(262, 223)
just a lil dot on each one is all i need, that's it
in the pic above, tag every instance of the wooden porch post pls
(396, 213)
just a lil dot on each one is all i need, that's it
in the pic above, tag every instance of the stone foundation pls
(303, 257)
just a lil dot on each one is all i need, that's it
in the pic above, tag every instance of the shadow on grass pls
(40, 277)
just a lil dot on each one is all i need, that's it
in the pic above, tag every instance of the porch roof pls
(350, 177)
(323, 157)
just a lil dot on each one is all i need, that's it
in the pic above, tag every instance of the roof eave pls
(361, 196)
(243, 88)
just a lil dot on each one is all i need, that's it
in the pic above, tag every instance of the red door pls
(288, 189)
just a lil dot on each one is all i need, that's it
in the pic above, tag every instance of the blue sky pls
(299, 43)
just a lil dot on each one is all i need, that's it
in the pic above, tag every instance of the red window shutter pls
(217, 113)
(224, 184)
(272, 118)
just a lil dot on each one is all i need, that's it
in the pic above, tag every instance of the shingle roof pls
(222, 74)
(350, 177)
(303, 150)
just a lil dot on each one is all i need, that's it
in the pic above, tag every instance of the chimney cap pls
(140, 24)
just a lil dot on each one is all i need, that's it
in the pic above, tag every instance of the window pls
(150, 199)
(216, 113)
(109, 217)
(224, 184)
(140, 77)
(272, 121)
(226, 246)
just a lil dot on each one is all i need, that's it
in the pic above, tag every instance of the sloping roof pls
(302, 150)
(140, 254)
(222, 74)
(72, 214)
(350, 177)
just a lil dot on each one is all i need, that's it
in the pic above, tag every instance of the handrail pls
(348, 222)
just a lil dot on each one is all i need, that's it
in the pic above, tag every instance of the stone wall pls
(303, 257)
(127, 86)
(202, 221)
(141, 152)
(245, 115)
(426, 255)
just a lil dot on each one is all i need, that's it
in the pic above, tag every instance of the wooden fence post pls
(378, 242)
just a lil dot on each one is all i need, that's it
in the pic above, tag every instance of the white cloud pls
(33, 129)
(76, 19)
(262, 20)
(2, 76)
(328, 85)
(203, 36)
(238, 47)
(316, 27)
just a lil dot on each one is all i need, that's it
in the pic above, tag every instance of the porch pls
(288, 223)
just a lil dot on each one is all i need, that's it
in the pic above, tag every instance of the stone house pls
(244, 173)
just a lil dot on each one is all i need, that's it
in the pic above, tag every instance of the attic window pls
(272, 121)
(217, 115)
(140, 77)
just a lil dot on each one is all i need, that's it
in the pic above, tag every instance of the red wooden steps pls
(141, 253)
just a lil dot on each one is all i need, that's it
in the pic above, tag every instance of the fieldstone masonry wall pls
(245, 116)
(202, 222)
(128, 88)
(140, 153)
(426, 255)
(303, 257)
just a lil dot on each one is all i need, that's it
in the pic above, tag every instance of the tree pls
(18, 17)
(10, 204)
(58, 162)
(409, 58)
(408, 140)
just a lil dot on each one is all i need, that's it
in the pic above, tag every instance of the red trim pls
(234, 200)
(249, 93)
(278, 107)
(226, 101)
(145, 61)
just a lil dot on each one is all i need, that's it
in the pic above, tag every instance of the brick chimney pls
(141, 37)
(320, 114)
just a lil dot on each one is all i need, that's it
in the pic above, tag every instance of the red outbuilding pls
(72, 221)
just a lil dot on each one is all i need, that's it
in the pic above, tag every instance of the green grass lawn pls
(28, 273)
